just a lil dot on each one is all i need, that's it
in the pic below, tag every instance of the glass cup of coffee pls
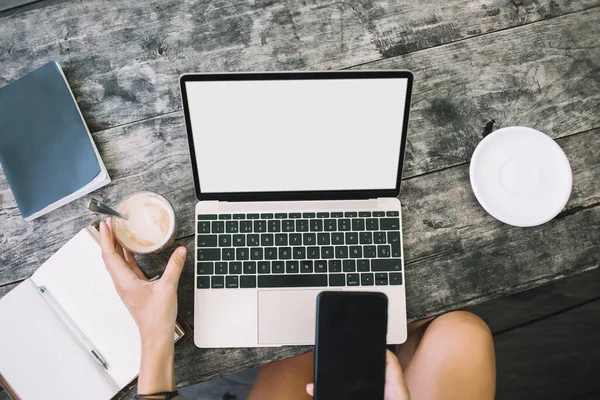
(150, 224)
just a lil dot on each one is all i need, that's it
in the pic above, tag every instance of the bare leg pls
(451, 358)
(286, 379)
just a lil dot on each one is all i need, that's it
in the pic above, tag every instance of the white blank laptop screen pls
(297, 135)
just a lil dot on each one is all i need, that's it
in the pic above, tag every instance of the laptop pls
(297, 177)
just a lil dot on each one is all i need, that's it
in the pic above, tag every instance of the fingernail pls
(181, 251)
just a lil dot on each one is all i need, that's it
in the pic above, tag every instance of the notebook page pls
(39, 358)
(78, 280)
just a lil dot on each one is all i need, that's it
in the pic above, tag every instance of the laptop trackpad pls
(287, 316)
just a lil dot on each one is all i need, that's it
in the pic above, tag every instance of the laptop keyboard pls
(298, 250)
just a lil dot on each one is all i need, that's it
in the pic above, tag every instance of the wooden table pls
(479, 65)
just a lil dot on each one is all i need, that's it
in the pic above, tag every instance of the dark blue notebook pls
(46, 150)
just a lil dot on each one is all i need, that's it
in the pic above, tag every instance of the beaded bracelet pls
(157, 396)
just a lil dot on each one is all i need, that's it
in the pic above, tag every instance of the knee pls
(462, 329)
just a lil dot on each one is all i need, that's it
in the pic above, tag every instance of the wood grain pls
(122, 59)
(510, 312)
(569, 348)
(8, 4)
(152, 154)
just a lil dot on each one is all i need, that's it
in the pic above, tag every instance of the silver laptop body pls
(297, 177)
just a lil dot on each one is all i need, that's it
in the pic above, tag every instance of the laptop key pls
(264, 267)
(306, 267)
(302, 225)
(335, 266)
(287, 225)
(250, 267)
(381, 278)
(207, 216)
(379, 237)
(364, 214)
(389, 224)
(330, 225)
(235, 268)
(307, 280)
(231, 227)
(337, 280)
(358, 224)
(355, 251)
(386, 264)
(205, 268)
(299, 253)
(383, 251)
(392, 213)
(207, 241)
(266, 239)
(228, 254)
(295, 215)
(344, 224)
(253, 216)
(253, 240)
(248, 281)
(266, 216)
(372, 224)
(308, 215)
(395, 278)
(217, 282)
(281, 215)
(277, 267)
(337, 238)
(378, 214)
(352, 280)
(246, 226)
(221, 268)
(337, 214)
(256, 253)
(295, 239)
(285, 253)
(274, 225)
(316, 225)
(363, 266)
(224, 216)
(239, 216)
(351, 238)
(271, 253)
(323, 215)
(349, 265)
(292, 267)
(366, 279)
(203, 282)
(218, 227)
(309, 238)
(224, 240)
(323, 239)
(209, 254)
(313, 252)
(242, 253)
(341, 251)
(350, 214)
(327, 252)
(281, 239)
(260, 226)
(231, 282)
(239, 240)
(203, 227)
(366, 238)
(369, 251)
(394, 240)
(321, 266)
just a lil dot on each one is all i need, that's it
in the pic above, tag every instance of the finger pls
(115, 265)
(395, 388)
(134, 265)
(175, 266)
(118, 247)
(310, 389)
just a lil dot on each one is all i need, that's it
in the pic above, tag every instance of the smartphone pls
(350, 346)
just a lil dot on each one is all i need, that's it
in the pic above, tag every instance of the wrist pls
(157, 368)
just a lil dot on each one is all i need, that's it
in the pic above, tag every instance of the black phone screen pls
(350, 346)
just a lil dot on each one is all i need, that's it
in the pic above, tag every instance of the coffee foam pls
(149, 225)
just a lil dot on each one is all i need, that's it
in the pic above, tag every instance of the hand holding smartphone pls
(350, 348)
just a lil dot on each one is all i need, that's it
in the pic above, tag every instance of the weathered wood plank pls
(8, 4)
(456, 255)
(509, 312)
(555, 359)
(123, 58)
(533, 75)
(153, 155)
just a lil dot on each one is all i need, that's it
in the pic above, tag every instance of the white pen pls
(70, 325)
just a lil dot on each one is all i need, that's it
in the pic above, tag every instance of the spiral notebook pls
(40, 358)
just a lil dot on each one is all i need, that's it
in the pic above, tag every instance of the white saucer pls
(521, 176)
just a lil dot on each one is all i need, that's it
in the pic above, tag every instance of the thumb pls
(395, 387)
(174, 266)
